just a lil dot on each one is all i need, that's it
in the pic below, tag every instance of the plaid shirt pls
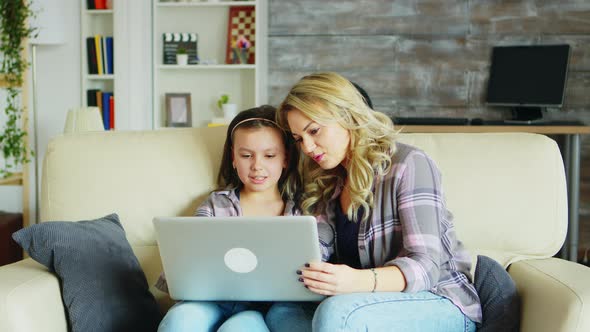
(410, 227)
(223, 203)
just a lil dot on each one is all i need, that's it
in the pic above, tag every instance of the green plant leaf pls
(224, 99)
(14, 16)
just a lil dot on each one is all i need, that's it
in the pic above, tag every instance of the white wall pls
(57, 89)
(58, 81)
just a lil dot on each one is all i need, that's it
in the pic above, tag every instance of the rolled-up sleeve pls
(421, 210)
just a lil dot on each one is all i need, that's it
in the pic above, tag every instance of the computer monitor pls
(528, 78)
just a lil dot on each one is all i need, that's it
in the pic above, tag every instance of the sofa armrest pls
(555, 295)
(30, 299)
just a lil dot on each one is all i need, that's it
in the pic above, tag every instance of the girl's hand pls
(331, 279)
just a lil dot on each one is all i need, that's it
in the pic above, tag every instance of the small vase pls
(229, 111)
(181, 59)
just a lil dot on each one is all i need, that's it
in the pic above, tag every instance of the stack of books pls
(105, 101)
(100, 55)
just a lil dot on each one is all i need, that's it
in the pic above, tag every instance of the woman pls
(394, 260)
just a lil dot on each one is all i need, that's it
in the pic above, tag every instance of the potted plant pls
(229, 110)
(181, 56)
(13, 33)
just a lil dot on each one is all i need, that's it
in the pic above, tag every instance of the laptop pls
(237, 258)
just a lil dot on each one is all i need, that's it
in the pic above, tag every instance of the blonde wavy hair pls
(328, 97)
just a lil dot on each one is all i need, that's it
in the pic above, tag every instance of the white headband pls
(250, 119)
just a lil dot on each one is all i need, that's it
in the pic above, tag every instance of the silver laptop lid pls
(237, 258)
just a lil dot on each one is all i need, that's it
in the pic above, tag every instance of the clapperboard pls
(174, 40)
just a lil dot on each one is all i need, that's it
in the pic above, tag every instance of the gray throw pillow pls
(103, 286)
(500, 302)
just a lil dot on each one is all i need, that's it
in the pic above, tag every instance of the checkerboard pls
(242, 21)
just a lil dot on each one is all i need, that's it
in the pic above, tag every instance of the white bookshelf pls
(96, 22)
(244, 83)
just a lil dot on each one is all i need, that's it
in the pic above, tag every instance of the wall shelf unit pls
(212, 77)
(99, 11)
(97, 22)
(15, 179)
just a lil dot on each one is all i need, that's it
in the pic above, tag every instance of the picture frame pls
(178, 110)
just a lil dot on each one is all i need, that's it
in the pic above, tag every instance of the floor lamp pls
(50, 30)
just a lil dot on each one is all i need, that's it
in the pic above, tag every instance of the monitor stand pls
(526, 115)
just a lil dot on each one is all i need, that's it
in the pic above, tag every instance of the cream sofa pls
(507, 192)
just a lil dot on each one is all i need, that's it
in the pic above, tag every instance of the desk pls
(571, 160)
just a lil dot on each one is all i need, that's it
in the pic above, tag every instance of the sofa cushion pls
(102, 284)
(500, 303)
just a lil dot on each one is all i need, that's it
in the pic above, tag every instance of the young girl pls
(396, 262)
(257, 177)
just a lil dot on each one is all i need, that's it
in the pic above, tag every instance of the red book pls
(100, 4)
(112, 111)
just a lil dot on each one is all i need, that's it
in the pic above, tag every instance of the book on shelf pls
(97, 4)
(99, 99)
(110, 59)
(97, 44)
(172, 41)
(100, 56)
(112, 112)
(103, 50)
(105, 101)
(91, 97)
(91, 56)
(106, 109)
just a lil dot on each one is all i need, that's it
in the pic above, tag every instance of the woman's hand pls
(332, 279)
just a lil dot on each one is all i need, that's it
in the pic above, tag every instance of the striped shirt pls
(224, 203)
(410, 227)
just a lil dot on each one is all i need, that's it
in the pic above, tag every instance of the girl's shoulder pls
(223, 196)
(220, 203)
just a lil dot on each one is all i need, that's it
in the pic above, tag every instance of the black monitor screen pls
(528, 75)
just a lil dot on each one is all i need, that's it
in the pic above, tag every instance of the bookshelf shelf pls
(15, 179)
(244, 83)
(207, 4)
(100, 77)
(206, 67)
(98, 11)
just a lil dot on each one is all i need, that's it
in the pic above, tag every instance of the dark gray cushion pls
(500, 302)
(103, 285)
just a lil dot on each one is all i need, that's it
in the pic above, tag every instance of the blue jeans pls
(423, 311)
(213, 316)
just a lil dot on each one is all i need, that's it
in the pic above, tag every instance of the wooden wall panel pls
(368, 17)
(368, 53)
(430, 57)
(578, 90)
(530, 17)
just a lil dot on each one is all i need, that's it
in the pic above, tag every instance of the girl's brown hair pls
(258, 117)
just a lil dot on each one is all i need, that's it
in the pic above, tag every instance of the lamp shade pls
(49, 22)
(83, 119)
